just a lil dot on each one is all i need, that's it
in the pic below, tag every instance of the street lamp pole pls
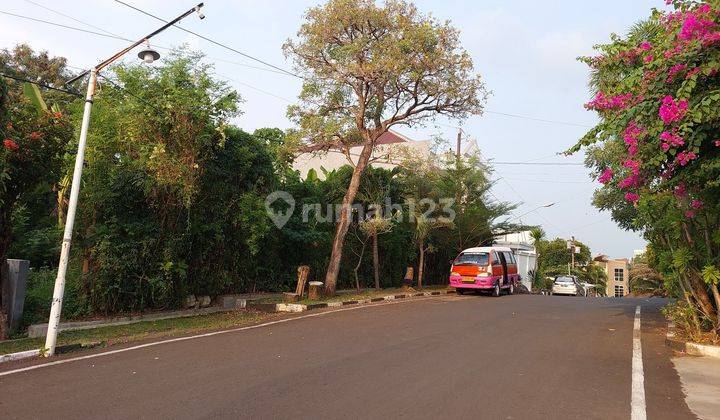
(533, 210)
(59, 290)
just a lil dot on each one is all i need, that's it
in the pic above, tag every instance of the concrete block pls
(14, 289)
(226, 301)
(204, 301)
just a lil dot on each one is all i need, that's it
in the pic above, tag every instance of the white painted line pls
(210, 334)
(637, 403)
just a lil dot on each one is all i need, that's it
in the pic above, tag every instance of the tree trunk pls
(421, 264)
(716, 296)
(376, 261)
(700, 291)
(344, 223)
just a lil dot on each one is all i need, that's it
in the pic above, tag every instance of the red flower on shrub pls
(10, 145)
(35, 135)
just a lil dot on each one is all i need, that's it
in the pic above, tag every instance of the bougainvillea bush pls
(656, 149)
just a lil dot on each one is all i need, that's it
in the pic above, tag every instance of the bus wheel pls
(460, 291)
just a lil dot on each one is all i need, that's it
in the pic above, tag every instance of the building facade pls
(390, 148)
(617, 272)
(522, 246)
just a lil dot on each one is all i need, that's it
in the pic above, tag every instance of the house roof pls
(482, 249)
(391, 137)
(388, 137)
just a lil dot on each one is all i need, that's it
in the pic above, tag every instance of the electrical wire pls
(525, 117)
(540, 163)
(122, 38)
(20, 79)
(72, 18)
(61, 25)
(211, 40)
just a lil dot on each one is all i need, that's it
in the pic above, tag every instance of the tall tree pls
(367, 68)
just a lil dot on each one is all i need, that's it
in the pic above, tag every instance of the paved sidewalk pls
(700, 378)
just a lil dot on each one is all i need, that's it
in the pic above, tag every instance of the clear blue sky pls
(524, 49)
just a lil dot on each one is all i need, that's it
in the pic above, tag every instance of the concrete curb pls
(693, 349)
(297, 307)
(66, 348)
(19, 355)
(40, 330)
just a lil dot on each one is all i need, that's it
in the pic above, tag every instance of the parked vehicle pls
(567, 285)
(492, 269)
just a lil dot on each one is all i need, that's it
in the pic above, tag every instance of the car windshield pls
(472, 259)
(564, 280)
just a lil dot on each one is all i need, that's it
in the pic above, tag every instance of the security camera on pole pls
(148, 55)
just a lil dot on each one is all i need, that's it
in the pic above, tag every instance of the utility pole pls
(572, 253)
(148, 55)
(459, 143)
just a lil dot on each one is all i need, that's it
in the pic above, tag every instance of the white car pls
(566, 285)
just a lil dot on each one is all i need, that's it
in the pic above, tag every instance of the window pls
(619, 274)
(472, 259)
(619, 290)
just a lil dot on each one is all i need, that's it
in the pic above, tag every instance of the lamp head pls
(199, 12)
(148, 55)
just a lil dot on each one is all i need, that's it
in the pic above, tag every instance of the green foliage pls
(32, 93)
(711, 275)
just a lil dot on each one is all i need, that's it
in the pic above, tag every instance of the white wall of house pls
(522, 245)
(390, 155)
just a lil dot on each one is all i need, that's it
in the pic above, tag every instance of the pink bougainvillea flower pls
(717, 143)
(684, 157)
(692, 72)
(632, 197)
(633, 165)
(648, 58)
(680, 191)
(632, 135)
(645, 46)
(674, 70)
(689, 214)
(696, 25)
(601, 102)
(671, 139)
(696, 204)
(671, 110)
(10, 145)
(606, 176)
(628, 56)
(710, 38)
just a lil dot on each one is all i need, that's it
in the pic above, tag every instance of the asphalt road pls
(513, 357)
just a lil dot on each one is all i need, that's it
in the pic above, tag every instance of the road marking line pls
(637, 404)
(210, 334)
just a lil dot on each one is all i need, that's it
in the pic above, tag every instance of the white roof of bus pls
(482, 249)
